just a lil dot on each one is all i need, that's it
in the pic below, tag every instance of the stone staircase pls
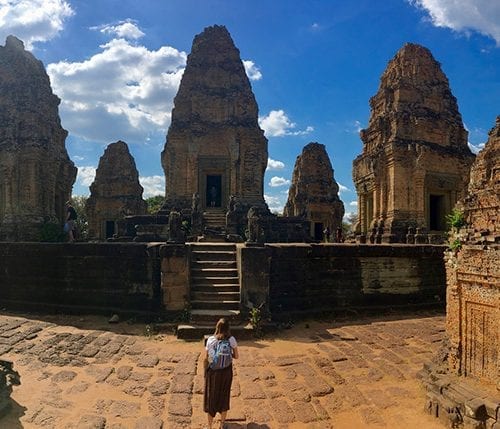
(215, 289)
(214, 218)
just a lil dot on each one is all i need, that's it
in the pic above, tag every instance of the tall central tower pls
(214, 145)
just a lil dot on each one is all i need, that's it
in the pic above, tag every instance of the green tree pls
(155, 203)
(79, 203)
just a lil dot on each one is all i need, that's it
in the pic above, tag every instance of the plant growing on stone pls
(255, 320)
(455, 220)
(186, 227)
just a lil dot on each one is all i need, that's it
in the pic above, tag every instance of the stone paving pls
(350, 374)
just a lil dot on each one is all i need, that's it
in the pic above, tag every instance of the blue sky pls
(313, 65)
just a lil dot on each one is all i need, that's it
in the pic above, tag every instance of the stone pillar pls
(175, 276)
(254, 265)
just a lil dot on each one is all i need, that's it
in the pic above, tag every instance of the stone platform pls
(77, 373)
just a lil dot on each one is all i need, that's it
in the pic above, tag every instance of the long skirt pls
(217, 390)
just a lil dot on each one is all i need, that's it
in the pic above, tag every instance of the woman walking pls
(221, 349)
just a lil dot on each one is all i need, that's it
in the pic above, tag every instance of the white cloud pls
(475, 148)
(482, 16)
(86, 175)
(33, 20)
(353, 204)
(123, 92)
(124, 29)
(252, 71)
(343, 188)
(277, 124)
(153, 185)
(278, 181)
(272, 164)
(276, 204)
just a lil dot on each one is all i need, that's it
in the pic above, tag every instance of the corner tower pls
(415, 162)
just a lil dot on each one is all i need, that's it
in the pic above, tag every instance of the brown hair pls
(222, 330)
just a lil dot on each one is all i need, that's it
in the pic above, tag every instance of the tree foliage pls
(79, 203)
(155, 203)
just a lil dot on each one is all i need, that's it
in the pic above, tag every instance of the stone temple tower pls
(115, 192)
(314, 193)
(214, 145)
(415, 162)
(36, 174)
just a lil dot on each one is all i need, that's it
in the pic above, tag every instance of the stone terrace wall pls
(95, 278)
(327, 277)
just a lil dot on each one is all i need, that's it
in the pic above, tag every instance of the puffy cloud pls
(278, 124)
(33, 20)
(123, 92)
(153, 185)
(278, 181)
(86, 175)
(476, 148)
(276, 204)
(353, 204)
(124, 29)
(272, 164)
(252, 71)
(464, 15)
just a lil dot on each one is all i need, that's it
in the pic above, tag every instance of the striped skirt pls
(217, 390)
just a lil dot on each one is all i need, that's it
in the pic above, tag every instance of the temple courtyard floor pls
(357, 372)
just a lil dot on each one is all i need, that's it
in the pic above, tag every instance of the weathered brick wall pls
(324, 277)
(81, 277)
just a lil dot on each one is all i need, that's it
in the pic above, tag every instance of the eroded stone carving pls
(175, 232)
(464, 380)
(313, 194)
(473, 273)
(115, 192)
(36, 174)
(415, 161)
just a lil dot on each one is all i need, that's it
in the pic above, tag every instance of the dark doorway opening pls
(436, 213)
(214, 190)
(318, 231)
(110, 228)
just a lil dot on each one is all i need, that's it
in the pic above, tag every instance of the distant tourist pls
(69, 226)
(326, 234)
(221, 349)
(340, 236)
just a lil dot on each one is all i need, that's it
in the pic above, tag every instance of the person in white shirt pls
(220, 350)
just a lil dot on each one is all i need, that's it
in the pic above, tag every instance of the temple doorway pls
(110, 228)
(318, 231)
(436, 213)
(214, 190)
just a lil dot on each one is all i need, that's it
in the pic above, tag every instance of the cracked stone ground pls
(341, 374)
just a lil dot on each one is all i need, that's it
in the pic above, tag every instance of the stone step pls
(210, 287)
(198, 332)
(213, 247)
(197, 265)
(215, 280)
(213, 272)
(215, 295)
(202, 256)
(215, 305)
(210, 317)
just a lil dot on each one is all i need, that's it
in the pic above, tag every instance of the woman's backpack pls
(223, 355)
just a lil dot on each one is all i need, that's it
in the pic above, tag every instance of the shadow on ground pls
(12, 417)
